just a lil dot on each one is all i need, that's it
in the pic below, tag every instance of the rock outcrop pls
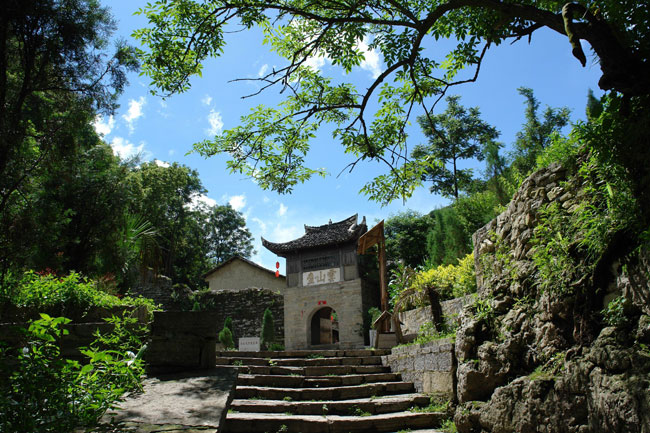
(534, 357)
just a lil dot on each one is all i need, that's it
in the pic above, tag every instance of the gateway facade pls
(326, 296)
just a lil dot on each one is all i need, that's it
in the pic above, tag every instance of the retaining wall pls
(413, 319)
(182, 340)
(430, 366)
(246, 308)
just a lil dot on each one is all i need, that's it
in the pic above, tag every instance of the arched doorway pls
(324, 327)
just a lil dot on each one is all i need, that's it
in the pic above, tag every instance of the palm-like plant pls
(139, 245)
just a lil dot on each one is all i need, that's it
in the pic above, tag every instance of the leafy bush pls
(450, 281)
(276, 346)
(427, 333)
(604, 206)
(373, 313)
(70, 295)
(614, 313)
(562, 150)
(400, 280)
(43, 392)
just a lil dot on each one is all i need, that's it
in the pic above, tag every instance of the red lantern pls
(277, 274)
(277, 265)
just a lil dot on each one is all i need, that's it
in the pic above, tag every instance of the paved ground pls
(184, 402)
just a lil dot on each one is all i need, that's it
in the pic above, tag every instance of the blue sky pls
(164, 130)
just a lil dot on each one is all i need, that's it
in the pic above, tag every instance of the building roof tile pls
(330, 234)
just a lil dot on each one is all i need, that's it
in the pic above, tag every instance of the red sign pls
(322, 302)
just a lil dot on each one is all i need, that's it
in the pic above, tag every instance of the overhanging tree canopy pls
(270, 144)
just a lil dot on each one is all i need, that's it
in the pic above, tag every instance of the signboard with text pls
(324, 276)
(249, 344)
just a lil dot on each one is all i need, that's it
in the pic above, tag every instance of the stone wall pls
(430, 366)
(538, 360)
(246, 308)
(158, 288)
(182, 340)
(413, 319)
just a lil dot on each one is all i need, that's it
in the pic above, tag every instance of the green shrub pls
(268, 329)
(450, 281)
(225, 338)
(43, 392)
(373, 313)
(276, 346)
(228, 323)
(562, 150)
(568, 243)
(71, 295)
(614, 313)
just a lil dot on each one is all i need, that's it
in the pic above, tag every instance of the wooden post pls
(375, 236)
(382, 278)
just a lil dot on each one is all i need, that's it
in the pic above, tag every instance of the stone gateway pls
(325, 297)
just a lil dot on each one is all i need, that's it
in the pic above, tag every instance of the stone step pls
(304, 353)
(328, 393)
(313, 371)
(299, 381)
(299, 362)
(389, 422)
(372, 405)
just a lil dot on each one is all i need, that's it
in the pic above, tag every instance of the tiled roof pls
(245, 260)
(326, 235)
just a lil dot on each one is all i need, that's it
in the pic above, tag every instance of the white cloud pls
(238, 202)
(265, 199)
(201, 199)
(284, 233)
(103, 128)
(371, 60)
(262, 71)
(260, 223)
(134, 112)
(160, 163)
(282, 210)
(207, 100)
(315, 62)
(216, 123)
(125, 149)
(171, 152)
(163, 109)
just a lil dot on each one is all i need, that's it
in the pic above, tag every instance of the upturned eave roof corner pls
(330, 234)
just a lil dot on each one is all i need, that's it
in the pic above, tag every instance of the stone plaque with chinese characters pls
(323, 276)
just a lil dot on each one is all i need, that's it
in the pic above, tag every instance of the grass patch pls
(357, 411)
(436, 404)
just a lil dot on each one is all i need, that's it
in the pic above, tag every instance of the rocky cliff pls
(557, 340)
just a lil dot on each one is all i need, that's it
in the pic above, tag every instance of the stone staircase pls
(322, 391)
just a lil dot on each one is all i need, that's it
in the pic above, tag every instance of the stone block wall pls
(430, 366)
(182, 340)
(413, 319)
(158, 288)
(246, 308)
